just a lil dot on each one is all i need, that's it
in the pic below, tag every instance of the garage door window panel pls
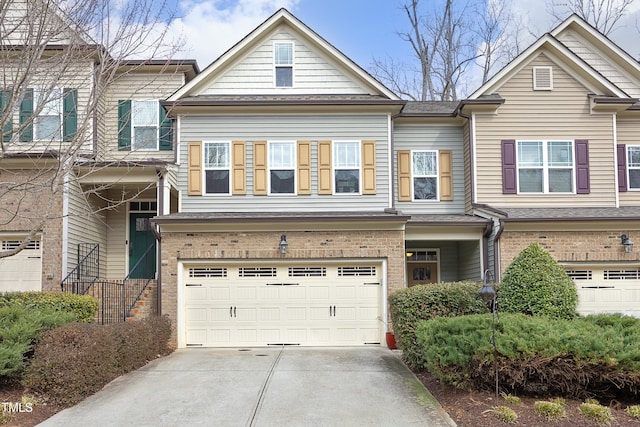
(217, 167)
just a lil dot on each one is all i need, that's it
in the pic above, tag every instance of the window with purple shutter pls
(582, 166)
(621, 154)
(509, 170)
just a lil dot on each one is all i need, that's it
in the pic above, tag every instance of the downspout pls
(486, 234)
(496, 250)
(392, 200)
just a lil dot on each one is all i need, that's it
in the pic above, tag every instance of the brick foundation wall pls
(320, 245)
(569, 246)
(29, 207)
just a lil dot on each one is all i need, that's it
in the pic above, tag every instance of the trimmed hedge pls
(78, 359)
(594, 355)
(411, 305)
(19, 328)
(535, 284)
(85, 307)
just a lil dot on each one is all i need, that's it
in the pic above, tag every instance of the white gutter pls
(615, 157)
(390, 159)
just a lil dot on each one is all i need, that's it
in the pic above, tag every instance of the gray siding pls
(85, 225)
(289, 128)
(432, 137)
(469, 266)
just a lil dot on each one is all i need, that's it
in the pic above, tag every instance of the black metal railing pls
(116, 298)
(80, 279)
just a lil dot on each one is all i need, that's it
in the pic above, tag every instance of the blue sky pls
(361, 29)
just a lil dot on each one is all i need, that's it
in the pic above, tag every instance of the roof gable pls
(247, 68)
(582, 70)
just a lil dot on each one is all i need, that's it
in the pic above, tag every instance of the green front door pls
(140, 239)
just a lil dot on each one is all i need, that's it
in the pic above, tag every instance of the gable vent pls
(542, 78)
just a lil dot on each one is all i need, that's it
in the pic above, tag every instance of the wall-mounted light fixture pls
(628, 244)
(283, 244)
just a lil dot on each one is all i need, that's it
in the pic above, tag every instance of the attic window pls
(283, 62)
(542, 78)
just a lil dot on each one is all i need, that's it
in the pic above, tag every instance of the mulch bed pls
(469, 408)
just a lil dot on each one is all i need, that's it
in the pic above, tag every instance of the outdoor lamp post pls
(488, 295)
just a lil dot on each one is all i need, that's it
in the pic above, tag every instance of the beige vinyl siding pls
(313, 72)
(117, 236)
(628, 131)
(432, 137)
(299, 127)
(140, 86)
(24, 22)
(86, 224)
(562, 113)
(603, 63)
(75, 75)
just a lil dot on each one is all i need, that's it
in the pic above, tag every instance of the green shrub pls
(504, 414)
(536, 285)
(511, 399)
(78, 359)
(633, 411)
(19, 328)
(599, 414)
(411, 305)
(84, 306)
(550, 410)
(536, 355)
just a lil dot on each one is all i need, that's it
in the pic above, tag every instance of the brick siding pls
(570, 246)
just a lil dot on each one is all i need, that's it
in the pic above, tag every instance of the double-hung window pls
(48, 122)
(145, 125)
(217, 167)
(282, 167)
(425, 175)
(633, 166)
(346, 166)
(283, 62)
(545, 167)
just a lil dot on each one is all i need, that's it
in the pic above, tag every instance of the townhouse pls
(282, 193)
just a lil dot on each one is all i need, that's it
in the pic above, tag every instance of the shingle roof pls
(429, 108)
(279, 216)
(284, 99)
(571, 214)
(448, 219)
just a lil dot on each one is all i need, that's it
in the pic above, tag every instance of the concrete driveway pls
(291, 386)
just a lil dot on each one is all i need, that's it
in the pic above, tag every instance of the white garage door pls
(314, 305)
(608, 290)
(22, 271)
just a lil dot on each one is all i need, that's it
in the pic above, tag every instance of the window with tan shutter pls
(304, 167)
(425, 175)
(239, 168)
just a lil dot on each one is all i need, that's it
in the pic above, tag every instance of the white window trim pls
(133, 128)
(334, 168)
(205, 168)
(545, 166)
(629, 168)
(38, 106)
(293, 61)
(437, 199)
(295, 169)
